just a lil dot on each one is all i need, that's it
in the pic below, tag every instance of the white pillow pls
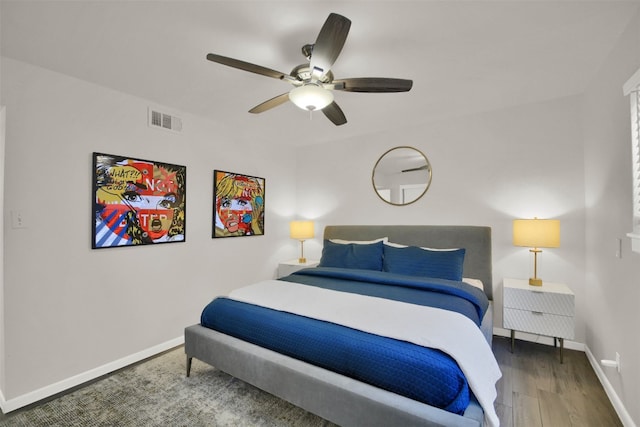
(359, 242)
(474, 282)
(398, 245)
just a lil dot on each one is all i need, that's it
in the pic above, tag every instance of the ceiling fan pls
(314, 81)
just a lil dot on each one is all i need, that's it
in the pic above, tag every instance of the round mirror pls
(401, 175)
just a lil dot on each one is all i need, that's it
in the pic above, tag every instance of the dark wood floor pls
(536, 390)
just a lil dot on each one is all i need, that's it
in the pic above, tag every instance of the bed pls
(353, 393)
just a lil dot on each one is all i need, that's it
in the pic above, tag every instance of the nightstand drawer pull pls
(537, 313)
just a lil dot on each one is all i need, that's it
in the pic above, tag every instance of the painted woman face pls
(154, 212)
(235, 214)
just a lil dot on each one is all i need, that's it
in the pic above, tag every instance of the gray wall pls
(2, 317)
(613, 284)
(488, 169)
(68, 309)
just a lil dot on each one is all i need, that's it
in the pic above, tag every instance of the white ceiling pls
(463, 56)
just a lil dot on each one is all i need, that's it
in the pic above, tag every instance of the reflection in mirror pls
(401, 176)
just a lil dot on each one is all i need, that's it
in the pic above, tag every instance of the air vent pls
(161, 120)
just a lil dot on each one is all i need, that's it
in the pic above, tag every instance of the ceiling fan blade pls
(329, 43)
(420, 168)
(373, 84)
(246, 66)
(335, 114)
(271, 103)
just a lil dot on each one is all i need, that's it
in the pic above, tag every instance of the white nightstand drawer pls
(536, 322)
(533, 300)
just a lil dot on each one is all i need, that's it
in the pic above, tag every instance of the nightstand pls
(544, 310)
(288, 267)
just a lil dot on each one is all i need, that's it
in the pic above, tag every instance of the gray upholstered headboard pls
(475, 239)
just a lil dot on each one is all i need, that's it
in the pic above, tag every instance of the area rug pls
(158, 393)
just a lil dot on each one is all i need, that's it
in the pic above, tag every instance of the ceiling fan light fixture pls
(311, 97)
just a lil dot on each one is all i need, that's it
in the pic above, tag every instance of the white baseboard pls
(50, 390)
(608, 388)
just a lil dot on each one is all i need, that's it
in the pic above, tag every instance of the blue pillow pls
(352, 255)
(415, 261)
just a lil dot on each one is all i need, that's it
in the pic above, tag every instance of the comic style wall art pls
(238, 205)
(137, 202)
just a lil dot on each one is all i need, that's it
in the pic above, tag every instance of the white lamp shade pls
(301, 230)
(311, 97)
(536, 233)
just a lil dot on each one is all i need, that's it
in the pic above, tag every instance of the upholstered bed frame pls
(332, 396)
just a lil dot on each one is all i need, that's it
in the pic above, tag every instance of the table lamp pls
(301, 230)
(536, 233)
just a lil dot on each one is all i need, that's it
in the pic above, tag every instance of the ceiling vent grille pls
(165, 121)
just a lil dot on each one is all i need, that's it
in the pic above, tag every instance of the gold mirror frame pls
(401, 176)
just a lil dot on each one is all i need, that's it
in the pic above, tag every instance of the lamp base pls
(534, 281)
(302, 260)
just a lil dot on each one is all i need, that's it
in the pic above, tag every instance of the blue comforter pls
(440, 293)
(423, 374)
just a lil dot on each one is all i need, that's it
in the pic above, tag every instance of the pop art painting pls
(137, 202)
(238, 205)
